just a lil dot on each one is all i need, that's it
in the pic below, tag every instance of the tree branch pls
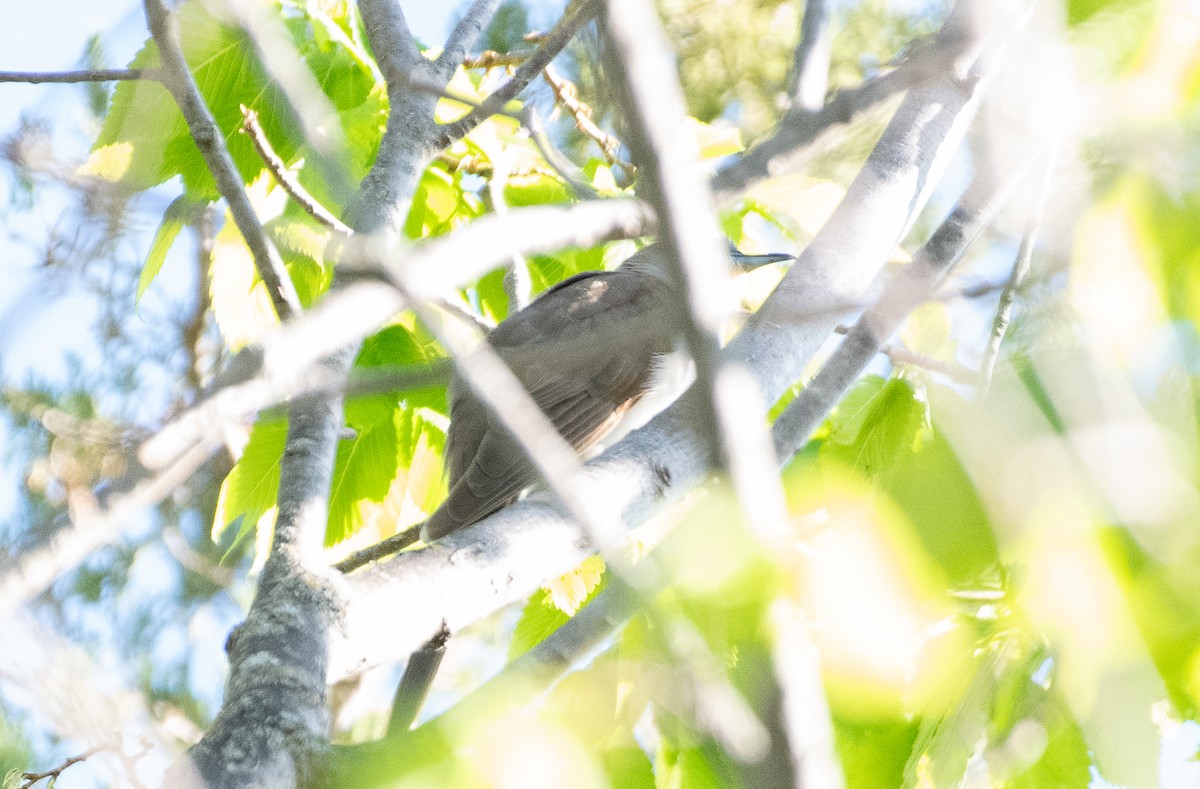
(508, 555)
(285, 179)
(178, 80)
(273, 726)
(1020, 270)
(577, 15)
(654, 110)
(385, 195)
(800, 127)
(84, 75)
(912, 285)
(809, 76)
(466, 33)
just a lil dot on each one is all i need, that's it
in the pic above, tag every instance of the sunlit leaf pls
(249, 491)
(714, 140)
(543, 613)
(227, 71)
(178, 215)
(876, 424)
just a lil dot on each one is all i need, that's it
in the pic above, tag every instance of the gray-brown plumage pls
(587, 350)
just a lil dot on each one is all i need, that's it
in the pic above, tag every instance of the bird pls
(588, 350)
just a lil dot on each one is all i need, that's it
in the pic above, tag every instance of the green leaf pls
(180, 213)
(363, 473)
(399, 346)
(873, 753)
(249, 492)
(689, 766)
(876, 423)
(536, 189)
(942, 504)
(387, 478)
(628, 767)
(144, 115)
(541, 617)
(301, 243)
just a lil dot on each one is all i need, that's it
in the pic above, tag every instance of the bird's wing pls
(580, 378)
(487, 467)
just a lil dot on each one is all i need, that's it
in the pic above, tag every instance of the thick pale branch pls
(178, 80)
(506, 556)
(392, 41)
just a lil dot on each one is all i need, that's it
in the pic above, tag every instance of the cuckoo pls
(592, 352)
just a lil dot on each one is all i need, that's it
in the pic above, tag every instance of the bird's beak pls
(748, 262)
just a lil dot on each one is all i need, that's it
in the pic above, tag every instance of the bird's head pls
(654, 260)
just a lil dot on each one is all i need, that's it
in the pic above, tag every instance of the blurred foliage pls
(995, 583)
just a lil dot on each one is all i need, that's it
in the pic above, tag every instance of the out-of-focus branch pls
(800, 127)
(436, 268)
(1020, 270)
(910, 287)
(566, 169)
(466, 32)
(506, 556)
(84, 75)
(284, 365)
(577, 15)
(898, 354)
(177, 78)
(654, 108)
(648, 89)
(285, 179)
(38, 568)
(809, 76)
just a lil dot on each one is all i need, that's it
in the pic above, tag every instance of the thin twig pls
(566, 94)
(898, 354)
(1020, 271)
(490, 58)
(178, 80)
(290, 184)
(566, 169)
(83, 75)
(32, 778)
(380, 550)
(578, 14)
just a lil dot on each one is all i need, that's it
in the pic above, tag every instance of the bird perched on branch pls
(588, 351)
